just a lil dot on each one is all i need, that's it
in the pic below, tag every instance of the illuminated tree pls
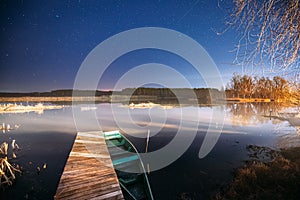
(270, 33)
(277, 88)
(281, 88)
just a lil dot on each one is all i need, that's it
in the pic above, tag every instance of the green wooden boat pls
(128, 166)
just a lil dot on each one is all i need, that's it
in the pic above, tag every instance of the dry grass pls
(7, 171)
(278, 178)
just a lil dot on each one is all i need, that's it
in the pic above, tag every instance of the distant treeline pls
(276, 88)
(240, 86)
(203, 95)
(58, 93)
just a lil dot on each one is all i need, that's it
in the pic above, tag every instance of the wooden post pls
(147, 144)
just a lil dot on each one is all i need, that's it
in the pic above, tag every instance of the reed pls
(269, 174)
(7, 170)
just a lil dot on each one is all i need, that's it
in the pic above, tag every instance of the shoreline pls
(122, 98)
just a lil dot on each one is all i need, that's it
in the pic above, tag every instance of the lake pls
(47, 137)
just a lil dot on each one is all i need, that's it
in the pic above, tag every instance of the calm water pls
(48, 138)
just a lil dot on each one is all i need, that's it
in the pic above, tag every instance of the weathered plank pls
(88, 173)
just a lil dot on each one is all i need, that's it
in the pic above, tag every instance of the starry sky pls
(43, 43)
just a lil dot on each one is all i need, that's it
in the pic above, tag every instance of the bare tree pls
(270, 33)
(277, 88)
(281, 88)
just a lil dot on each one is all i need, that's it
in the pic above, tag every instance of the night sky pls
(43, 42)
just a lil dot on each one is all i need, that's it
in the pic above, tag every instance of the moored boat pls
(128, 166)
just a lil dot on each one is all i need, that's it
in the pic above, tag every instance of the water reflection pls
(47, 134)
(283, 120)
(270, 118)
(263, 119)
(246, 114)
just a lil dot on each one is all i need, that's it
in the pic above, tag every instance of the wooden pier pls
(89, 173)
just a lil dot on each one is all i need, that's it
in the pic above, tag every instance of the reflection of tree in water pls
(243, 114)
(288, 137)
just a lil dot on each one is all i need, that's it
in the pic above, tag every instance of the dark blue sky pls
(43, 43)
